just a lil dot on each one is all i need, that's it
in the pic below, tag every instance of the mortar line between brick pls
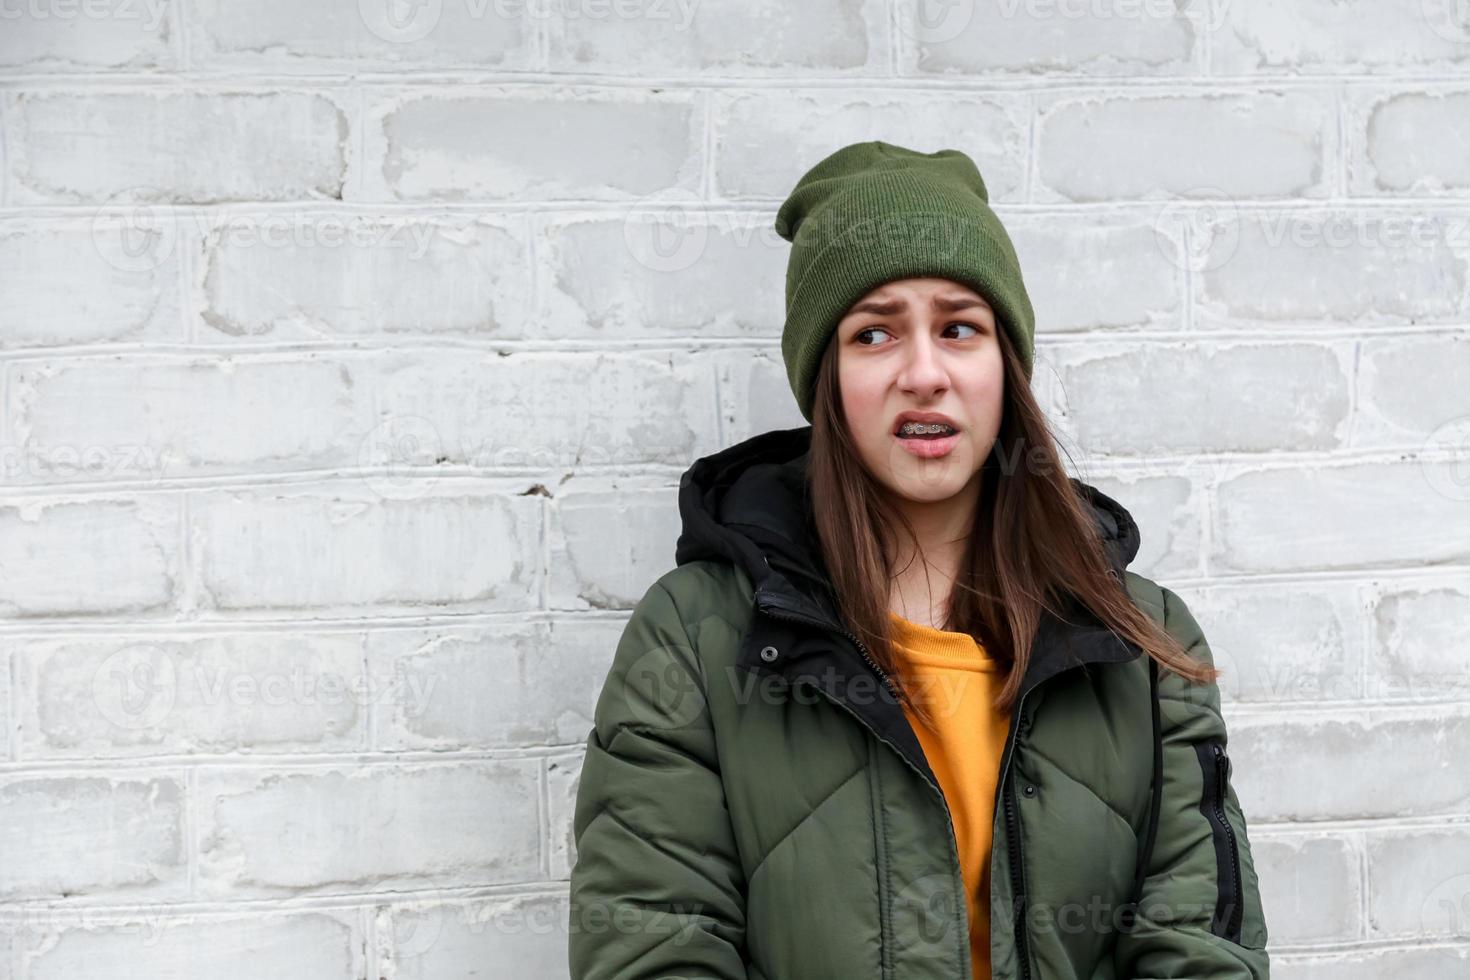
(1016, 82)
(1365, 594)
(183, 50)
(186, 589)
(192, 827)
(484, 482)
(1365, 877)
(6, 164)
(330, 902)
(1213, 10)
(163, 765)
(1029, 176)
(1354, 395)
(185, 269)
(543, 819)
(719, 400)
(707, 182)
(12, 707)
(543, 549)
(395, 345)
(1142, 210)
(356, 177)
(370, 709)
(1208, 503)
(541, 37)
(895, 42)
(1238, 714)
(372, 960)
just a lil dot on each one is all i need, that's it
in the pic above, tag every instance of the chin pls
(932, 481)
(916, 478)
(920, 493)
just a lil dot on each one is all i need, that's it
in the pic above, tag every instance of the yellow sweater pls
(957, 681)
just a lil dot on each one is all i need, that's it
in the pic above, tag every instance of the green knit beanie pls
(873, 212)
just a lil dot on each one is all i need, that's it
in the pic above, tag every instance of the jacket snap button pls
(1217, 750)
(768, 654)
(1029, 790)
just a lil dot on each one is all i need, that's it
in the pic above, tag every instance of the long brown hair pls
(1033, 542)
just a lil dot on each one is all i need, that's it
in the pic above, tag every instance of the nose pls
(923, 375)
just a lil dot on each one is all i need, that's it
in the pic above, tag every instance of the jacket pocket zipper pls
(1215, 765)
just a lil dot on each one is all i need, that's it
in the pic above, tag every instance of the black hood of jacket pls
(749, 504)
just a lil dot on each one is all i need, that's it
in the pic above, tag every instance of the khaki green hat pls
(874, 212)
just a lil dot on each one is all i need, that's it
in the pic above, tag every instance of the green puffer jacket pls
(754, 804)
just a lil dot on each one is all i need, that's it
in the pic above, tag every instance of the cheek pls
(864, 416)
(862, 400)
(982, 391)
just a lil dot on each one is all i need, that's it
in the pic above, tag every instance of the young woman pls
(900, 711)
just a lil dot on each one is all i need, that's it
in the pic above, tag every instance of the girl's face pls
(926, 346)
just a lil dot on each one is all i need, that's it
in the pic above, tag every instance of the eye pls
(971, 326)
(867, 330)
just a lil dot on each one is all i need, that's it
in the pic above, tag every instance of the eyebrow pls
(942, 304)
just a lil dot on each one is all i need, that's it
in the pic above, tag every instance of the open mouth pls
(925, 430)
(927, 440)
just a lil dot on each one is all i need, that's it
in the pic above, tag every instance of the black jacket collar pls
(748, 504)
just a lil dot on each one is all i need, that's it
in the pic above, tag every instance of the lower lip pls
(930, 448)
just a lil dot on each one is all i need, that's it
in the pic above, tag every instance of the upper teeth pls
(916, 428)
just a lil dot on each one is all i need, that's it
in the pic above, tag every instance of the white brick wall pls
(348, 364)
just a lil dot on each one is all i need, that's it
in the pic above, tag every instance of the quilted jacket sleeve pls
(657, 889)
(1200, 916)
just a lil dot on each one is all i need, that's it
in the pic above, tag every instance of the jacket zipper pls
(1013, 842)
(1221, 789)
(779, 611)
